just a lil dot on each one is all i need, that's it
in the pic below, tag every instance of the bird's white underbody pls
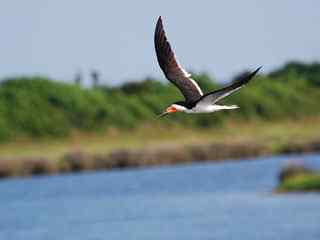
(203, 109)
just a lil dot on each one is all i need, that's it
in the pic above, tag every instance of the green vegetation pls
(301, 183)
(295, 177)
(37, 107)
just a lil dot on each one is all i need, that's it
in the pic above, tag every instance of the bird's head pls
(172, 109)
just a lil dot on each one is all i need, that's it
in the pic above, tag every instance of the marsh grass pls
(301, 183)
(273, 134)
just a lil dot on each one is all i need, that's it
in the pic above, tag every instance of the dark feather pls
(171, 68)
(217, 95)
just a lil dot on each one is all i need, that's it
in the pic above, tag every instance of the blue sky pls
(57, 38)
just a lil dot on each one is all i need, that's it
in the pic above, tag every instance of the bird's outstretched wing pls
(213, 97)
(172, 69)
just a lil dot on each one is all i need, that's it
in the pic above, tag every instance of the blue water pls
(229, 200)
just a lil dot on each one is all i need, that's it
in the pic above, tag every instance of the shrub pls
(39, 107)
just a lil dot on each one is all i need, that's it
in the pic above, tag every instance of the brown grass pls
(274, 133)
(153, 145)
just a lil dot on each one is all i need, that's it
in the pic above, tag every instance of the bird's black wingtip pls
(159, 19)
(251, 75)
(159, 24)
(257, 70)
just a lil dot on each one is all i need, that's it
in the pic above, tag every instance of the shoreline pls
(77, 161)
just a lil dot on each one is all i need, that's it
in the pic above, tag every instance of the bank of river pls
(158, 155)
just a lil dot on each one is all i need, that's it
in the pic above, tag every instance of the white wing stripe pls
(195, 84)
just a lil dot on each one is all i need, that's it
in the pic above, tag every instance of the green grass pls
(272, 134)
(301, 183)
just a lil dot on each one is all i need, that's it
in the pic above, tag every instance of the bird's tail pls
(232, 107)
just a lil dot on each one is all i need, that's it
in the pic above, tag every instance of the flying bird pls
(195, 100)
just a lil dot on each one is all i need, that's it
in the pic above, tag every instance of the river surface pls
(228, 200)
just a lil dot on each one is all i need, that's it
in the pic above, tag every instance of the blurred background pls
(80, 92)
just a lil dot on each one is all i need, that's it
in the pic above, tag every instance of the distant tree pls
(78, 78)
(148, 85)
(310, 72)
(95, 76)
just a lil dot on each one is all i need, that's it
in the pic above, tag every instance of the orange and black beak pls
(170, 109)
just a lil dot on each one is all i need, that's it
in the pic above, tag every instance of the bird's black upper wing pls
(213, 97)
(172, 69)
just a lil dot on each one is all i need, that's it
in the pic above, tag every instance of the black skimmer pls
(195, 100)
